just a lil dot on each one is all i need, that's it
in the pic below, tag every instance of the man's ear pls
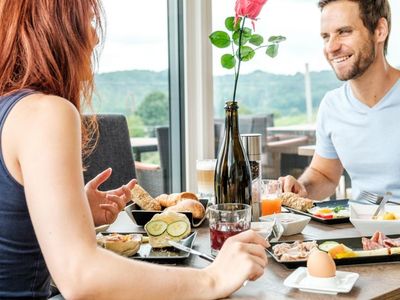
(382, 30)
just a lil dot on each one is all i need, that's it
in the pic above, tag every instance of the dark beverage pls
(220, 232)
(232, 173)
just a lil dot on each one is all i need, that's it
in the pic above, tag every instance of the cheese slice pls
(375, 252)
(395, 250)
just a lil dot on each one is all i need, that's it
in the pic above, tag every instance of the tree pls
(135, 125)
(154, 109)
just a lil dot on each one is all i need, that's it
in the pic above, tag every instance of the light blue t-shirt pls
(366, 140)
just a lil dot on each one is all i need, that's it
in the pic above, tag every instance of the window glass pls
(132, 77)
(277, 85)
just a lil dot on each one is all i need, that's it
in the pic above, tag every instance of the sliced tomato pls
(324, 216)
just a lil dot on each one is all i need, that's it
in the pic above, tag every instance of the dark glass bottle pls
(232, 179)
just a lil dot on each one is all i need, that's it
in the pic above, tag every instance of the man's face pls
(348, 45)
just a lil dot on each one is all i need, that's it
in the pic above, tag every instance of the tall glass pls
(271, 192)
(205, 177)
(226, 220)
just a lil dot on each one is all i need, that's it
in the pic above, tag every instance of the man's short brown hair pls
(370, 13)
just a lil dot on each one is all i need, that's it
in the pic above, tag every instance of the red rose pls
(249, 8)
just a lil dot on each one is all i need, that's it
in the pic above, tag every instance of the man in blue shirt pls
(358, 123)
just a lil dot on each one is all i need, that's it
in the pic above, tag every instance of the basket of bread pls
(144, 206)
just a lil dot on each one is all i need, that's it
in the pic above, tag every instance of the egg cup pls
(320, 282)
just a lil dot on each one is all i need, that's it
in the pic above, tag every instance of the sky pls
(137, 39)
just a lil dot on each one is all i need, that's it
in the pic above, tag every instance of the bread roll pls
(167, 226)
(295, 201)
(172, 199)
(123, 244)
(189, 205)
(143, 199)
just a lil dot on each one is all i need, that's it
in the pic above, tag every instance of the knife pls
(190, 250)
(385, 199)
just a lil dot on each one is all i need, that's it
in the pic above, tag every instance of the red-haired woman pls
(47, 215)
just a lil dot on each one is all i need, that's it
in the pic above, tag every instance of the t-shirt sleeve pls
(324, 146)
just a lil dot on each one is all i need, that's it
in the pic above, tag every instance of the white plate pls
(344, 282)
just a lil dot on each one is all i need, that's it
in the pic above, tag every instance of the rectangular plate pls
(353, 243)
(331, 204)
(141, 217)
(146, 252)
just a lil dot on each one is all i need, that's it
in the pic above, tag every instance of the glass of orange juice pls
(271, 191)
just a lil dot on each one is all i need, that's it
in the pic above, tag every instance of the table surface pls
(376, 280)
(307, 150)
(143, 144)
(293, 128)
(143, 141)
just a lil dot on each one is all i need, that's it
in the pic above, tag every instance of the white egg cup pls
(320, 282)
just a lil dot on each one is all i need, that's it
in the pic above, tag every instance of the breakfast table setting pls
(375, 279)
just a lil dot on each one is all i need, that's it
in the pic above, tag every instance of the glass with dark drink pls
(226, 220)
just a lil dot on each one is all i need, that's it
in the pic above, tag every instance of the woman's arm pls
(43, 135)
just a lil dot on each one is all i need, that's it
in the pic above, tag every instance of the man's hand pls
(291, 184)
(105, 206)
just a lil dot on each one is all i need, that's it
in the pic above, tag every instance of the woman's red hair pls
(47, 46)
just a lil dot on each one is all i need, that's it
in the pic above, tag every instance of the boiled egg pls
(320, 264)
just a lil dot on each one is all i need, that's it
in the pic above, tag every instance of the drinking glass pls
(226, 220)
(205, 177)
(271, 192)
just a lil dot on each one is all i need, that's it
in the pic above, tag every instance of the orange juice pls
(270, 206)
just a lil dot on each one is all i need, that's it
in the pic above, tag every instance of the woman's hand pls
(105, 206)
(242, 257)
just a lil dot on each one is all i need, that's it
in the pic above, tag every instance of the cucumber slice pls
(328, 245)
(156, 228)
(177, 228)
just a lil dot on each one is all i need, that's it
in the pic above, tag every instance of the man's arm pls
(318, 181)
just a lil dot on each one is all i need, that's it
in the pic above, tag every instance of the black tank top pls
(23, 272)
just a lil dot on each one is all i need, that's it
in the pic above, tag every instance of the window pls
(135, 68)
(277, 85)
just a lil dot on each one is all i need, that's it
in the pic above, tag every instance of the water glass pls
(205, 177)
(226, 220)
(271, 192)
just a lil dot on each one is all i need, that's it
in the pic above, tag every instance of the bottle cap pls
(252, 145)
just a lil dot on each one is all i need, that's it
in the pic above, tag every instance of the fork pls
(372, 198)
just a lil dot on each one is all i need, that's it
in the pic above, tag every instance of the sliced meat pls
(388, 243)
(369, 244)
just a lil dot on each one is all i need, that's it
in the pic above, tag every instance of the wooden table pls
(376, 280)
(143, 144)
(307, 150)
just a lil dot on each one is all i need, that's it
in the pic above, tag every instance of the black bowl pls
(141, 217)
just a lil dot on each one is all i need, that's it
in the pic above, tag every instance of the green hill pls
(122, 92)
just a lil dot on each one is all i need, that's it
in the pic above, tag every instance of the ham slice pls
(378, 241)
(369, 244)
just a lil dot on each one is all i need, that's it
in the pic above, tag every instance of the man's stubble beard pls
(366, 58)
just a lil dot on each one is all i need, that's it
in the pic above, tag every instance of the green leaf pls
(272, 50)
(220, 39)
(230, 23)
(246, 35)
(256, 39)
(276, 39)
(246, 53)
(228, 61)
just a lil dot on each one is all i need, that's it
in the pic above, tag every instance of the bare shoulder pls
(40, 117)
(38, 106)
